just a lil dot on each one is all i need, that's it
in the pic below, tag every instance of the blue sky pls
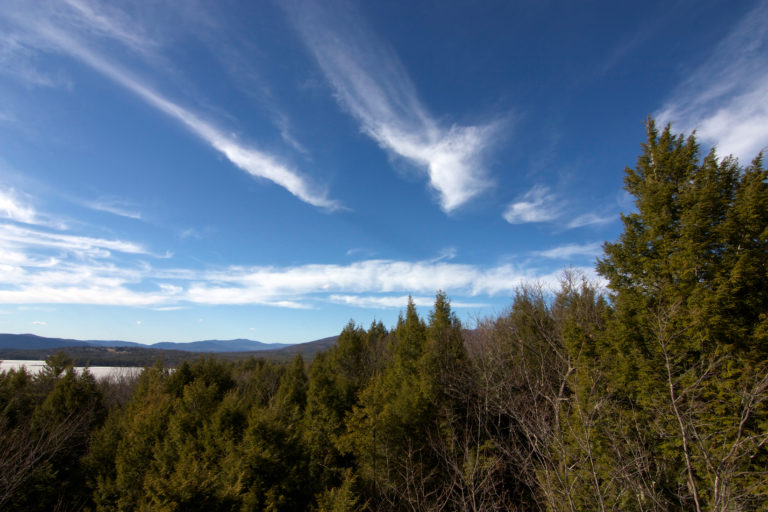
(269, 170)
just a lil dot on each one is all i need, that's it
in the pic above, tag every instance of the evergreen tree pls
(337, 377)
(689, 282)
(274, 457)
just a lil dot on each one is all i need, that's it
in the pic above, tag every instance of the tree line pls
(650, 394)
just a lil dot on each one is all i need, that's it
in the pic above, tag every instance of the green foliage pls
(341, 498)
(336, 379)
(689, 285)
(211, 436)
(44, 427)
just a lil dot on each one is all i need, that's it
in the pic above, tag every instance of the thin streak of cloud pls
(50, 37)
(114, 25)
(569, 251)
(448, 254)
(360, 251)
(726, 99)
(115, 209)
(250, 160)
(536, 205)
(282, 123)
(394, 302)
(17, 58)
(82, 294)
(23, 237)
(372, 85)
(193, 233)
(591, 219)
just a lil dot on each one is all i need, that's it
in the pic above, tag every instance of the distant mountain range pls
(31, 341)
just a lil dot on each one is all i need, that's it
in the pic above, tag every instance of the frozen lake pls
(99, 372)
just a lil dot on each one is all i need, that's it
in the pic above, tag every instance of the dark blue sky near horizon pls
(269, 170)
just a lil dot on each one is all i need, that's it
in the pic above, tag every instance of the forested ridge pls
(139, 356)
(650, 394)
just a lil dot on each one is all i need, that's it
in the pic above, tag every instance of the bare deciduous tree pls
(24, 450)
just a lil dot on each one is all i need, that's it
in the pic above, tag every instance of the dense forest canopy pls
(648, 395)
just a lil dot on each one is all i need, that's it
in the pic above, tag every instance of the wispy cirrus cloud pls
(394, 302)
(569, 251)
(372, 85)
(14, 208)
(51, 27)
(42, 267)
(591, 219)
(18, 207)
(383, 277)
(726, 99)
(108, 21)
(537, 205)
(371, 283)
(119, 208)
(19, 59)
(15, 236)
(540, 204)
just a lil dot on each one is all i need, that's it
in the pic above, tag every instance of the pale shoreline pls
(100, 372)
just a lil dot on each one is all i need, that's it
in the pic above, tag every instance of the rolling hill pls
(32, 341)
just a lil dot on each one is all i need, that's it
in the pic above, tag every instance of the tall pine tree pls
(689, 283)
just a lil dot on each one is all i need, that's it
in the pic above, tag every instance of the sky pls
(179, 171)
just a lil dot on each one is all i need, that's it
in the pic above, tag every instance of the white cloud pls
(38, 322)
(591, 219)
(446, 254)
(50, 31)
(372, 85)
(190, 233)
(282, 123)
(371, 283)
(17, 61)
(114, 295)
(108, 21)
(248, 159)
(41, 266)
(258, 284)
(359, 251)
(537, 205)
(15, 236)
(726, 99)
(565, 252)
(14, 209)
(118, 208)
(394, 302)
